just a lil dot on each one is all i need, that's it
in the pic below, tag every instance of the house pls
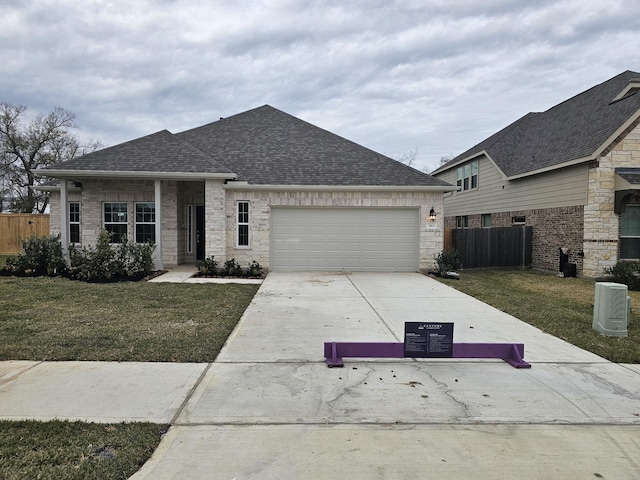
(571, 172)
(261, 185)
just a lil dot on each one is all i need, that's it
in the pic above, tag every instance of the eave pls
(133, 175)
(244, 186)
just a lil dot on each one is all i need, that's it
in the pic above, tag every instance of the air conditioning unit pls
(611, 309)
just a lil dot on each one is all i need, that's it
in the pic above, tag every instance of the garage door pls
(349, 239)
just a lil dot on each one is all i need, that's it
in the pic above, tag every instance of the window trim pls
(137, 222)
(125, 222)
(242, 223)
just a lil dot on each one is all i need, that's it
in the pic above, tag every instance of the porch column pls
(158, 225)
(64, 218)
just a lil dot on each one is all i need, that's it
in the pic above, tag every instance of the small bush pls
(447, 261)
(208, 266)
(232, 268)
(254, 269)
(39, 256)
(106, 262)
(625, 272)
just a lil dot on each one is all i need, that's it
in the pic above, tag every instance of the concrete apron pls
(270, 408)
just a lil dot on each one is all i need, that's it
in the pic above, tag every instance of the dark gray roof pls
(574, 129)
(631, 175)
(268, 146)
(159, 152)
(263, 146)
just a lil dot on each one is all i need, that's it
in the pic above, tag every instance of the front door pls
(199, 232)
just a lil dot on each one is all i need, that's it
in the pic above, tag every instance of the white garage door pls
(344, 239)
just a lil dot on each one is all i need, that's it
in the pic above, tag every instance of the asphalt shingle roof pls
(263, 146)
(159, 152)
(571, 130)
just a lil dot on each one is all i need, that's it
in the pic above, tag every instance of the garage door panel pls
(344, 239)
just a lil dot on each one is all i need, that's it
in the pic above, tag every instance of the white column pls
(64, 218)
(158, 207)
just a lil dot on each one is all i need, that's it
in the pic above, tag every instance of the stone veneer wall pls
(261, 201)
(553, 228)
(601, 222)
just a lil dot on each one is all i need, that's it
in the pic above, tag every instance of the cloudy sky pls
(433, 77)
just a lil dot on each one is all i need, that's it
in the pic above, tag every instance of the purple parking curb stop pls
(512, 353)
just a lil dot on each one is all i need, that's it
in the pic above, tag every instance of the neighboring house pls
(261, 185)
(572, 172)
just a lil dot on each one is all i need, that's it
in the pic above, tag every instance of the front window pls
(468, 176)
(630, 232)
(145, 222)
(486, 220)
(243, 224)
(115, 220)
(74, 222)
(462, 221)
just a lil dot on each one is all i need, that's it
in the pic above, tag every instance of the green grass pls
(61, 450)
(562, 307)
(58, 319)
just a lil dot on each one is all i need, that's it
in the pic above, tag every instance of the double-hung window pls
(243, 224)
(74, 222)
(115, 220)
(468, 176)
(145, 222)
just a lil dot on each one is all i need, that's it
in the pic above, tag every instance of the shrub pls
(39, 256)
(254, 269)
(447, 261)
(208, 266)
(106, 262)
(625, 272)
(232, 268)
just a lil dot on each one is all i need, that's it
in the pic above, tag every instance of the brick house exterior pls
(212, 190)
(571, 172)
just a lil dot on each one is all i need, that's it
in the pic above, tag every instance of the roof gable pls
(572, 130)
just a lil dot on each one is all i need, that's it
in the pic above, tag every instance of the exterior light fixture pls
(432, 215)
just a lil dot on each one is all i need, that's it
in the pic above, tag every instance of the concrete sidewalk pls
(270, 408)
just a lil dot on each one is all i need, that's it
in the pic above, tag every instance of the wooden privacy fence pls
(17, 226)
(493, 247)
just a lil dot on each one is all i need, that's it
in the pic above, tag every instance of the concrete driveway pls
(269, 408)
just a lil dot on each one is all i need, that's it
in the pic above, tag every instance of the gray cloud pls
(434, 75)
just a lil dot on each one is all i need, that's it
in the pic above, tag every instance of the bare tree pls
(408, 157)
(24, 147)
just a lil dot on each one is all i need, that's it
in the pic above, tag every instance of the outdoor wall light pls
(432, 215)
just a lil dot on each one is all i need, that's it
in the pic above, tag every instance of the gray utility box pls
(611, 309)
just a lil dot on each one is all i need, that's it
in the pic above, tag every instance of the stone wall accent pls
(261, 201)
(553, 228)
(601, 234)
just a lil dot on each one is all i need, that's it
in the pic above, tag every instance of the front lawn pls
(58, 319)
(61, 450)
(562, 307)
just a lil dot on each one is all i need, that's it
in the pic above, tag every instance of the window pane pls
(460, 174)
(146, 212)
(474, 181)
(243, 235)
(474, 168)
(117, 230)
(630, 248)
(115, 212)
(145, 232)
(630, 221)
(74, 233)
